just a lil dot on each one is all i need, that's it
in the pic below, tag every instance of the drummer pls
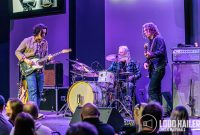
(123, 64)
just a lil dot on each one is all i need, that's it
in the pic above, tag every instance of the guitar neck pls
(53, 55)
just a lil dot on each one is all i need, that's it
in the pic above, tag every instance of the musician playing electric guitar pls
(34, 47)
(156, 60)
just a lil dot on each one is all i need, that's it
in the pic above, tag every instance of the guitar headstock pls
(66, 50)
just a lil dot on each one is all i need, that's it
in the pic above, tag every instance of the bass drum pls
(81, 93)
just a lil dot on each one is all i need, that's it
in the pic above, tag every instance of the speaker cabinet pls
(53, 99)
(186, 86)
(107, 115)
(53, 75)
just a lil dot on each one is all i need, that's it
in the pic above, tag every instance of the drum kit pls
(103, 90)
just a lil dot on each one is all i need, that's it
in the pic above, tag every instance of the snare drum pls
(106, 78)
(81, 93)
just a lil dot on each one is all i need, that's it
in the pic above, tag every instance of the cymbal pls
(115, 58)
(74, 72)
(82, 67)
(79, 63)
(92, 74)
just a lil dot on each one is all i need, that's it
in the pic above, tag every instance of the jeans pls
(35, 83)
(154, 89)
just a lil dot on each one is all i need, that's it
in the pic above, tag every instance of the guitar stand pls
(65, 111)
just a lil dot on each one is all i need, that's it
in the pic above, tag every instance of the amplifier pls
(186, 85)
(53, 75)
(186, 54)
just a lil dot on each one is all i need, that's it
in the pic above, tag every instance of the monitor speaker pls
(107, 115)
(53, 75)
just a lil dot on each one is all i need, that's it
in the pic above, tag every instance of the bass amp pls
(186, 54)
(53, 75)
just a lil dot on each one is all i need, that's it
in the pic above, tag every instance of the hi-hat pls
(115, 58)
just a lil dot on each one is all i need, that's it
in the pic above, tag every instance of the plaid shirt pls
(130, 67)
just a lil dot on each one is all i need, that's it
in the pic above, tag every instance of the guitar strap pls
(149, 60)
(152, 45)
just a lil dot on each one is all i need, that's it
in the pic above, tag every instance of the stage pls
(60, 123)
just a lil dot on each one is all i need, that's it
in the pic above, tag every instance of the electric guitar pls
(146, 49)
(28, 69)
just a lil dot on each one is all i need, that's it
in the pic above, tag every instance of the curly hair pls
(38, 28)
(152, 28)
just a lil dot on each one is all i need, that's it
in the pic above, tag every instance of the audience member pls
(13, 107)
(5, 125)
(82, 128)
(31, 108)
(24, 124)
(150, 120)
(91, 115)
(137, 113)
(180, 113)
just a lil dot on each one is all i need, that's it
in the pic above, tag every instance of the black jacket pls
(103, 129)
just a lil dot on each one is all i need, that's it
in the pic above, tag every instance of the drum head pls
(79, 94)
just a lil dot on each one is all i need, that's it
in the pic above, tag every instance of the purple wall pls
(123, 22)
(57, 38)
